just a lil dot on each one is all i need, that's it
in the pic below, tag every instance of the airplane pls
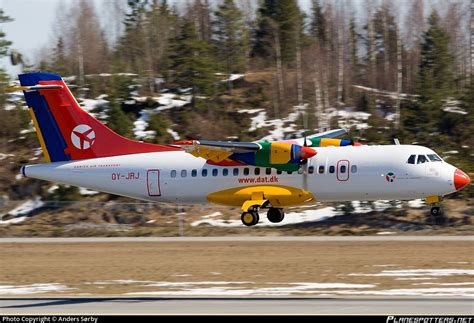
(254, 176)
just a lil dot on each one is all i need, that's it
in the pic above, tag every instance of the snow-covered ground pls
(21, 212)
(418, 272)
(32, 289)
(308, 215)
(290, 218)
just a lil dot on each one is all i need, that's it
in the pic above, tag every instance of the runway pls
(238, 275)
(150, 306)
(241, 239)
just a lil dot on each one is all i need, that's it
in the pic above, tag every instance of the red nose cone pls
(307, 152)
(460, 179)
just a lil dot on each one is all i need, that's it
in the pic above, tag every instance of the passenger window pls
(173, 173)
(246, 171)
(343, 169)
(236, 172)
(354, 169)
(225, 172)
(257, 171)
(434, 158)
(321, 170)
(279, 172)
(311, 169)
(184, 173)
(332, 169)
(204, 173)
(194, 173)
(215, 171)
(411, 159)
(268, 171)
(422, 159)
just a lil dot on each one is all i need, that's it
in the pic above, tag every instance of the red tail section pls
(84, 136)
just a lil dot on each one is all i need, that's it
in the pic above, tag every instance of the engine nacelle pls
(280, 155)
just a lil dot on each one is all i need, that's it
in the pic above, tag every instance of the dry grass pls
(261, 263)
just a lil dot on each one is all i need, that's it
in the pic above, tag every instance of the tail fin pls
(65, 130)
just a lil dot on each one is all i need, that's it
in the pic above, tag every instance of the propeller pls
(304, 163)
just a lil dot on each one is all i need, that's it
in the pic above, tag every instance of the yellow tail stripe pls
(40, 136)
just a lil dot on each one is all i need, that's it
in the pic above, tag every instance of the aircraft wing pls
(336, 133)
(216, 151)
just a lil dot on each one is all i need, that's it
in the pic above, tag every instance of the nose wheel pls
(435, 211)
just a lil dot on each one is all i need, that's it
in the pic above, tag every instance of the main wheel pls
(249, 218)
(275, 215)
(435, 211)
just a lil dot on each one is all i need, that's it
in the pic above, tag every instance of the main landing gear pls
(251, 217)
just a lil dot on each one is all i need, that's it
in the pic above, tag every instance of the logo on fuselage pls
(390, 177)
(82, 136)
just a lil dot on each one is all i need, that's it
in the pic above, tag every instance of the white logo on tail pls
(82, 136)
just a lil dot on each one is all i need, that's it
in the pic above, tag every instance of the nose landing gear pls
(435, 211)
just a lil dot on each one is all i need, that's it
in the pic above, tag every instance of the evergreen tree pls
(435, 77)
(118, 120)
(231, 37)
(59, 58)
(286, 17)
(318, 23)
(4, 44)
(191, 63)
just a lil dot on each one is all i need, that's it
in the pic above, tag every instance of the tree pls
(190, 61)
(287, 17)
(118, 120)
(231, 37)
(58, 64)
(318, 23)
(4, 43)
(435, 77)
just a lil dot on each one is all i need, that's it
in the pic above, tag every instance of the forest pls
(162, 70)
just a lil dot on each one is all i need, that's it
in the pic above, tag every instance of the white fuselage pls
(360, 173)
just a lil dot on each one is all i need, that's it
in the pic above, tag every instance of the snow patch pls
(21, 212)
(87, 192)
(32, 289)
(5, 156)
(170, 101)
(446, 284)
(463, 292)
(173, 134)
(250, 111)
(415, 204)
(288, 289)
(419, 272)
(27, 207)
(290, 218)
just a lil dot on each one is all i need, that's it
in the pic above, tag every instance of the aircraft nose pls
(460, 179)
(307, 152)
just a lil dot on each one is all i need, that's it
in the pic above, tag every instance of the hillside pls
(31, 207)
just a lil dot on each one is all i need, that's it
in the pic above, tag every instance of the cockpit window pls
(434, 158)
(422, 159)
(411, 159)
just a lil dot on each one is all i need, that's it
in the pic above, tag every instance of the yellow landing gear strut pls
(434, 202)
